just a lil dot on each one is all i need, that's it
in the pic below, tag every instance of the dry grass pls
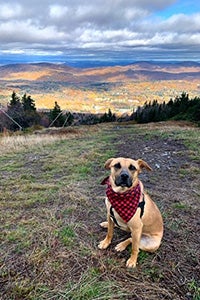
(11, 143)
(18, 143)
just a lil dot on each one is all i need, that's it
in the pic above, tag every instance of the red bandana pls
(125, 203)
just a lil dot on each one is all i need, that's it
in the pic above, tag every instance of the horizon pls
(102, 32)
(88, 63)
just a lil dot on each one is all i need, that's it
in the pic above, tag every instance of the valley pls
(95, 90)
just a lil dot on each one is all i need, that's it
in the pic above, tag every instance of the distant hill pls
(120, 88)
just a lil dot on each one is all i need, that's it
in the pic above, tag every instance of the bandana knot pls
(125, 203)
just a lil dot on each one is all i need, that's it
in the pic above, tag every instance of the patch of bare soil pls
(173, 271)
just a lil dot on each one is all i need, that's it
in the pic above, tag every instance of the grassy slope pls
(51, 205)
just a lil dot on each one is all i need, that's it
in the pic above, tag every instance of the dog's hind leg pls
(104, 224)
(122, 246)
(150, 243)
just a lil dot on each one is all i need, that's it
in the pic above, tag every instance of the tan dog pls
(131, 208)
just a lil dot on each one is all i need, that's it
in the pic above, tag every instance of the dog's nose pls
(124, 176)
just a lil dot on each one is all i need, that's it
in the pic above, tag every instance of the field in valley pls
(95, 90)
(51, 204)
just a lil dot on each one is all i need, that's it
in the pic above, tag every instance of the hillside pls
(120, 88)
(51, 204)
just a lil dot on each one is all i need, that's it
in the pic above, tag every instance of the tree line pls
(181, 108)
(21, 113)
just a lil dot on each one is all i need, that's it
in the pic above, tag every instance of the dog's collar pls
(125, 203)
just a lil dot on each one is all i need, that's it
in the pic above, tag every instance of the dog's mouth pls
(128, 185)
(123, 180)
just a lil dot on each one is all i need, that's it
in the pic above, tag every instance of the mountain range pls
(120, 88)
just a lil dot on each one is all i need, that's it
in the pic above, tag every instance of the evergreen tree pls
(28, 103)
(15, 111)
(111, 116)
(108, 117)
(22, 111)
(195, 113)
(56, 117)
(31, 116)
(15, 100)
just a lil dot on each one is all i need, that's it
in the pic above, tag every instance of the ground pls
(49, 247)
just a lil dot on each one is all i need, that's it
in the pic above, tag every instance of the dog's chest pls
(116, 217)
(125, 204)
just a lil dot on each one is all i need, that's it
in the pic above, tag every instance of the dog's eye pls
(117, 166)
(132, 168)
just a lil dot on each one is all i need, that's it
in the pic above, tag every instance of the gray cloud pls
(55, 27)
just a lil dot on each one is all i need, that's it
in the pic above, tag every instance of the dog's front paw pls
(131, 263)
(104, 244)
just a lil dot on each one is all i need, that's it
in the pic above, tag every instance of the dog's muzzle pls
(124, 179)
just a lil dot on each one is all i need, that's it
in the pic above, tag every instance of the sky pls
(99, 31)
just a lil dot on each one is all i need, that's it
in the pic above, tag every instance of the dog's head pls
(124, 172)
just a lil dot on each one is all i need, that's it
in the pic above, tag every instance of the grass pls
(51, 204)
(90, 286)
(40, 174)
(195, 289)
(18, 143)
(66, 235)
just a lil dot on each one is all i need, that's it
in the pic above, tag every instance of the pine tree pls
(15, 111)
(56, 117)
(28, 103)
(22, 111)
(15, 100)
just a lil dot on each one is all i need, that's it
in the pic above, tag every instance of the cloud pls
(57, 12)
(26, 33)
(58, 26)
(9, 11)
(182, 23)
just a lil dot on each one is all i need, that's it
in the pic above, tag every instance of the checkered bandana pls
(125, 203)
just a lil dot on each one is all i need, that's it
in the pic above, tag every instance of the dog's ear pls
(142, 164)
(107, 163)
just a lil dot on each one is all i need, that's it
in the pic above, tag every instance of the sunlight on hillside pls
(34, 75)
(95, 90)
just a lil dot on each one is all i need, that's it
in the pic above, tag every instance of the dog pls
(130, 208)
